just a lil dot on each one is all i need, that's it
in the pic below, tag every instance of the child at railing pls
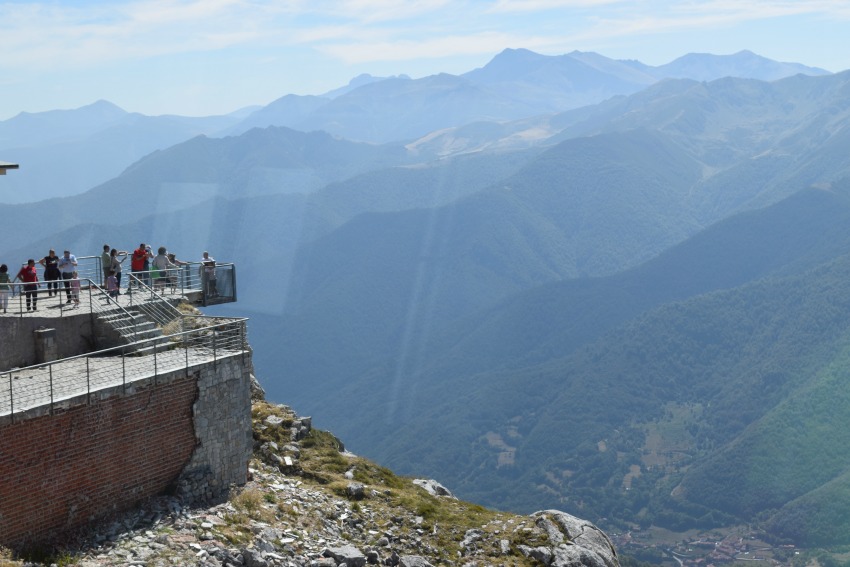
(112, 288)
(75, 289)
(5, 287)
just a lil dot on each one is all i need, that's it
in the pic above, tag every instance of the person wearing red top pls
(137, 263)
(29, 276)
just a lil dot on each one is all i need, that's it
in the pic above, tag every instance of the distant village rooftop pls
(4, 165)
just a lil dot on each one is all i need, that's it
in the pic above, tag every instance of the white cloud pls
(48, 36)
(51, 35)
(429, 48)
(377, 11)
(547, 5)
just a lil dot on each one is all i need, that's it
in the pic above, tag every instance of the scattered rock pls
(355, 491)
(258, 394)
(413, 561)
(433, 487)
(347, 554)
(274, 421)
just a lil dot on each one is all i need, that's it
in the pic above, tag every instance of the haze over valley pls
(571, 282)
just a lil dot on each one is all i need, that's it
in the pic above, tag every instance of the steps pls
(131, 325)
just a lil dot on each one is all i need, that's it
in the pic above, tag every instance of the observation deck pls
(65, 354)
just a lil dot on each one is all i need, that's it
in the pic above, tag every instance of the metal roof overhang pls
(4, 165)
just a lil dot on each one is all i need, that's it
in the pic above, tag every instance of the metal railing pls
(152, 303)
(90, 267)
(188, 278)
(107, 309)
(65, 300)
(22, 389)
(183, 280)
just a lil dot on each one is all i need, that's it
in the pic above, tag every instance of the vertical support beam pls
(11, 400)
(50, 371)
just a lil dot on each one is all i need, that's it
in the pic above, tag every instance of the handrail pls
(116, 309)
(86, 284)
(209, 343)
(187, 277)
(159, 308)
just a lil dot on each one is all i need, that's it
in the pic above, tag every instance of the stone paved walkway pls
(90, 300)
(31, 387)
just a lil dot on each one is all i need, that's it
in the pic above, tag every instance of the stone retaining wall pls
(223, 428)
(189, 432)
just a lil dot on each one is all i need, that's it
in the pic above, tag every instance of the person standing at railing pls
(51, 272)
(137, 263)
(147, 269)
(112, 288)
(68, 265)
(105, 263)
(115, 267)
(173, 277)
(75, 289)
(5, 287)
(29, 276)
(161, 266)
(208, 273)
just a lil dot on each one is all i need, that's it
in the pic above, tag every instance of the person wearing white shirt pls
(67, 265)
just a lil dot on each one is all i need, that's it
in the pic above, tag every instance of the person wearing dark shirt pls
(51, 272)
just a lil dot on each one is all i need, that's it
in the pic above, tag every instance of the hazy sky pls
(199, 57)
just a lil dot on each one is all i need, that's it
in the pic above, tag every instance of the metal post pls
(11, 400)
(215, 356)
(233, 279)
(50, 370)
(242, 340)
(123, 371)
(88, 382)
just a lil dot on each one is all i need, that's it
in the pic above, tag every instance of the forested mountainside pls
(563, 389)
(632, 302)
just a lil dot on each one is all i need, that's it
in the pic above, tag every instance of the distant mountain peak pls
(516, 54)
(102, 104)
(361, 80)
(744, 63)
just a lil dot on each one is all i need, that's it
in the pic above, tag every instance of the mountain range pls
(634, 309)
(67, 152)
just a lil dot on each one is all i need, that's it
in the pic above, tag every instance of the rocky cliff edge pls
(309, 503)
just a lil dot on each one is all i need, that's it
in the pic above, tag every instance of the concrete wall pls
(189, 433)
(18, 342)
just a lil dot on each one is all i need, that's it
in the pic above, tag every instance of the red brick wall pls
(58, 472)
